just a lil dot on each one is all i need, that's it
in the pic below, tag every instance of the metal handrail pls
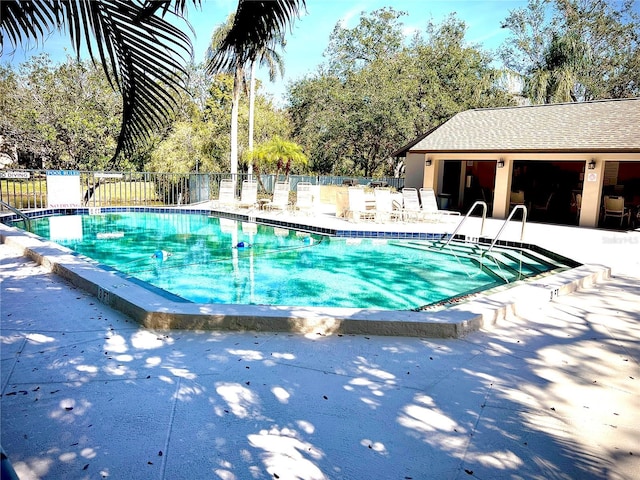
(484, 216)
(524, 221)
(27, 220)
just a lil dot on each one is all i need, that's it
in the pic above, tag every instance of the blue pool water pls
(202, 262)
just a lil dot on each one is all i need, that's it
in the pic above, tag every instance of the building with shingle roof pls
(573, 152)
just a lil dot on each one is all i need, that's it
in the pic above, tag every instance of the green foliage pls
(377, 92)
(142, 53)
(596, 55)
(66, 116)
(202, 140)
(277, 155)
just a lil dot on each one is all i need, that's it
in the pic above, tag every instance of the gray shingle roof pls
(599, 126)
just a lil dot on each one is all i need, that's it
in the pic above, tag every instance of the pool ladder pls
(25, 219)
(485, 253)
(473, 207)
(484, 216)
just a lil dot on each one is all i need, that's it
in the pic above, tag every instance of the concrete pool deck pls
(551, 392)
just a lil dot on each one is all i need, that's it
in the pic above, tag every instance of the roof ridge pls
(514, 107)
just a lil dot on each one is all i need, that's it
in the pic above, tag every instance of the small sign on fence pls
(108, 175)
(13, 174)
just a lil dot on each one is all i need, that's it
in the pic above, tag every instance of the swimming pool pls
(155, 308)
(217, 260)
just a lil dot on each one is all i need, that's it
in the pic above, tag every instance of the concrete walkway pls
(551, 393)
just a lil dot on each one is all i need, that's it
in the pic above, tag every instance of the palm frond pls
(25, 22)
(255, 25)
(538, 85)
(142, 54)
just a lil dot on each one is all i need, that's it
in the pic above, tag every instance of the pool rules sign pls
(63, 189)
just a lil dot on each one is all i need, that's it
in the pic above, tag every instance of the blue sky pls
(309, 36)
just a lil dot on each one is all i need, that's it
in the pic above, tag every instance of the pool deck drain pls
(153, 310)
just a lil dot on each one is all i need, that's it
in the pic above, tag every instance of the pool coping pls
(156, 311)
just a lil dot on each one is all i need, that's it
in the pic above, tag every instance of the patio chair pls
(384, 206)
(358, 206)
(304, 198)
(248, 194)
(577, 203)
(430, 207)
(280, 200)
(227, 195)
(411, 210)
(614, 207)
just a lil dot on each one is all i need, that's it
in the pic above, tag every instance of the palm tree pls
(557, 78)
(143, 55)
(270, 58)
(237, 70)
(281, 154)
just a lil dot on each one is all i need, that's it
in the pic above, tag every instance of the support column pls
(431, 174)
(502, 189)
(591, 194)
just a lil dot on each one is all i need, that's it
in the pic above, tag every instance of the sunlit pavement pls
(552, 393)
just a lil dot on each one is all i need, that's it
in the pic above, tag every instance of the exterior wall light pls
(427, 162)
(592, 164)
(501, 163)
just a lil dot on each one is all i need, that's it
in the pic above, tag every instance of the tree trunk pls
(256, 169)
(235, 104)
(252, 101)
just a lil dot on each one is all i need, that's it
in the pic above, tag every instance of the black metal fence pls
(26, 189)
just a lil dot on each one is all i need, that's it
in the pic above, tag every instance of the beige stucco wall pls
(418, 175)
(414, 170)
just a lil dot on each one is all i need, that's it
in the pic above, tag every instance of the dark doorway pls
(550, 189)
(450, 193)
(480, 178)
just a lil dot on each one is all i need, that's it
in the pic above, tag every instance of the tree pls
(270, 58)
(236, 69)
(595, 56)
(557, 79)
(359, 108)
(277, 154)
(283, 154)
(200, 139)
(142, 53)
(62, 116)
(378, 35)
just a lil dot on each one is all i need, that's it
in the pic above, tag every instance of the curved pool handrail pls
(27, 220)
(484, 216)
(506, 222)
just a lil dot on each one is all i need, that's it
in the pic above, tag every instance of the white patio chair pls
(358, 206)
(248, 194)
(280, 200)
(227, 194)
(304, 198)
(384, 206)
(430, 207)
(411, 210)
